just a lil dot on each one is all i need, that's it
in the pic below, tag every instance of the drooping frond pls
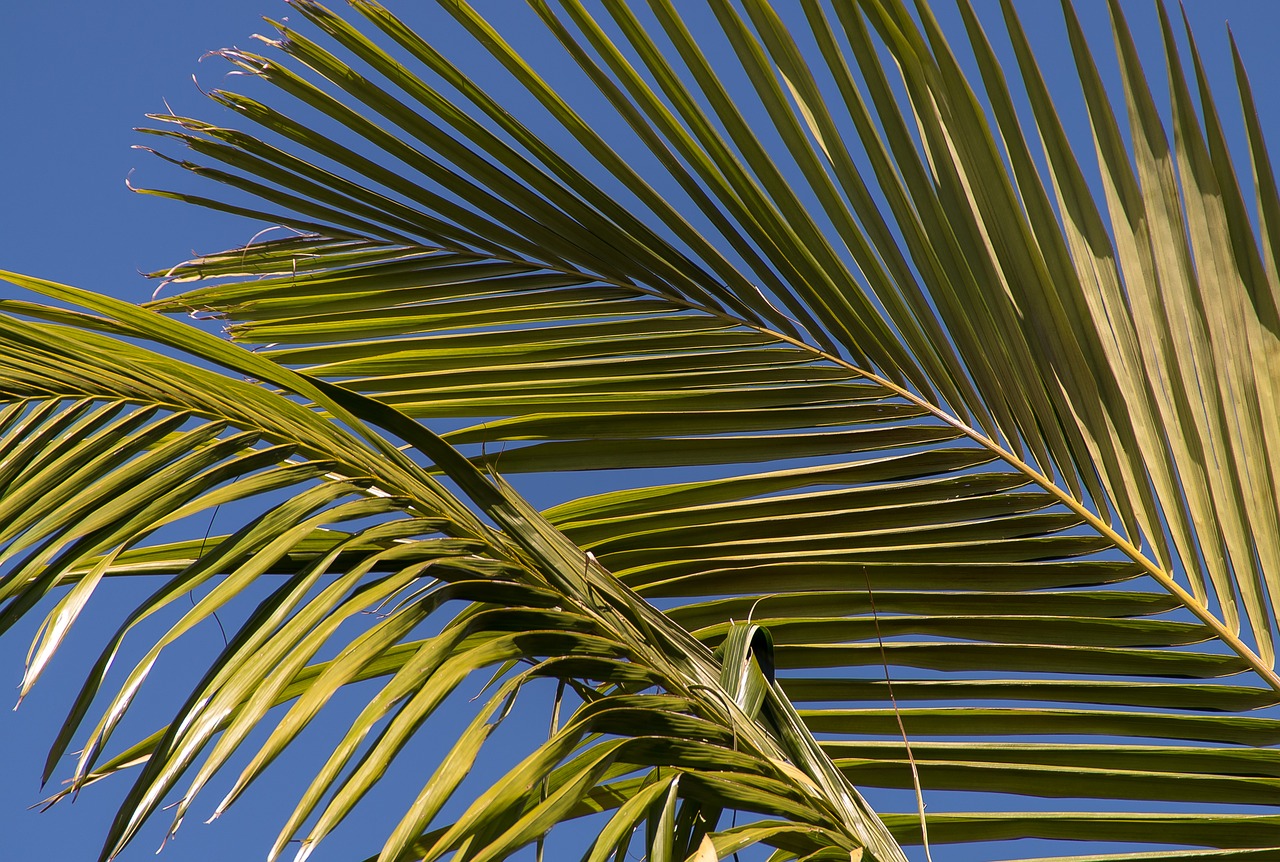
(715, 733)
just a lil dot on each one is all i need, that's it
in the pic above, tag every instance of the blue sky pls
(74, 79)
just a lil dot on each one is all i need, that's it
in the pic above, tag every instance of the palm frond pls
(996, 455)
(537, 602)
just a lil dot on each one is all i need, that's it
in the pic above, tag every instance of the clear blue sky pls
(75, 77)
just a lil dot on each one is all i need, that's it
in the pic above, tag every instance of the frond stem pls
(1163, 578)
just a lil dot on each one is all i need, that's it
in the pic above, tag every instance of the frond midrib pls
(1164, 578)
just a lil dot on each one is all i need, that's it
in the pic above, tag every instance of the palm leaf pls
(530, 602)
(995, 455)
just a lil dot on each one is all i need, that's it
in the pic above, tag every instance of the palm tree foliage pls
(986, 439)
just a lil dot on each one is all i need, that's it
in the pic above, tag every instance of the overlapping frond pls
(109, 477)
(996, 455)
